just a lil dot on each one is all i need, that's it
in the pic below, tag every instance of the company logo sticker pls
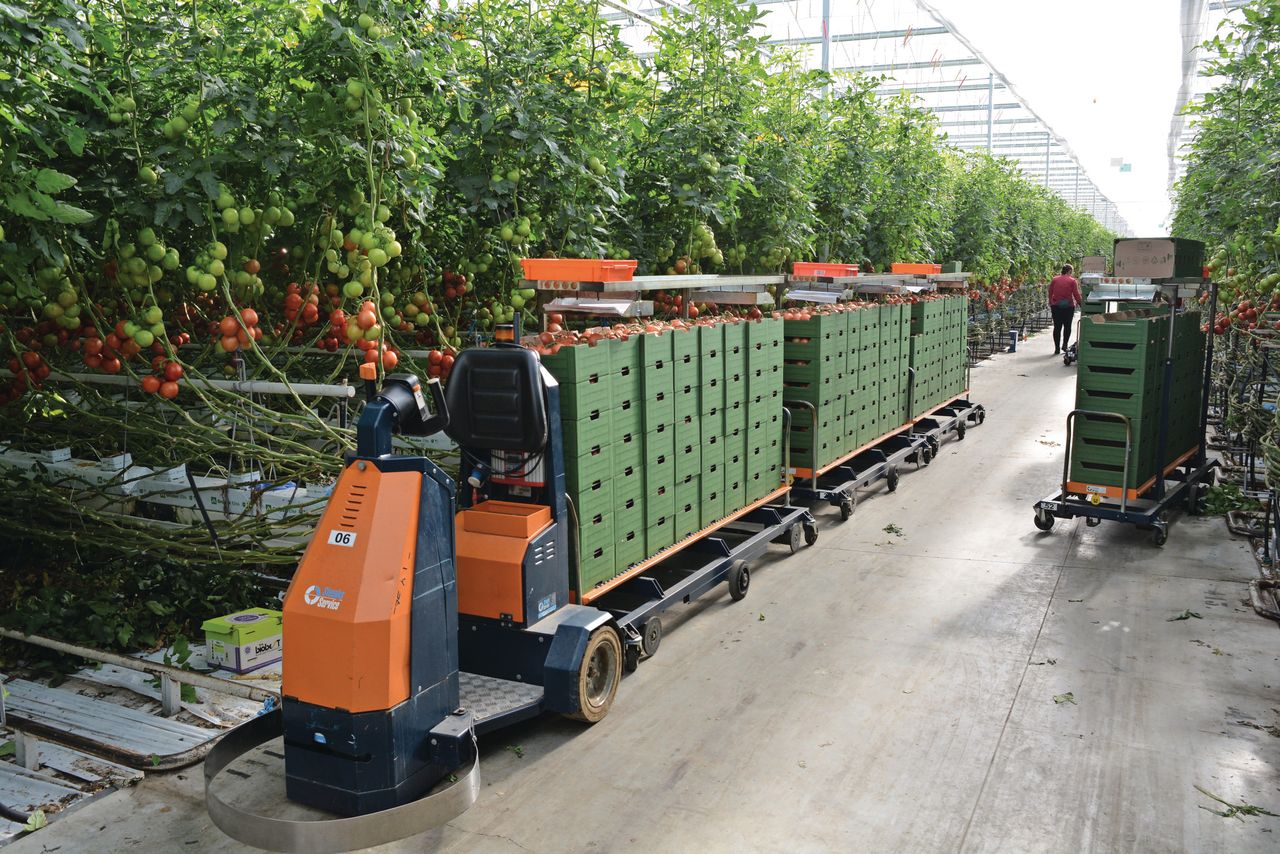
(323, 597)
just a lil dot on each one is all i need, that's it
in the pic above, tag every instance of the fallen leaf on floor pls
(892, 529)
(517, 750)
(36, 820)
(1185, 615)
(762, 617)
(1046, 661)
(1232, 810)
(1049, 442)
(1075, 600)
(801, 764)
(1065, 698)
(6, 748)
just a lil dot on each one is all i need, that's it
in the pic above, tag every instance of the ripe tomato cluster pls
(234, 333)
(164, 378)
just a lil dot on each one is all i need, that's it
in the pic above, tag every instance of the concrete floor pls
(895, 693)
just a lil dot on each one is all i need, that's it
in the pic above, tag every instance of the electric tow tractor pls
(427, 610)
(430, 609)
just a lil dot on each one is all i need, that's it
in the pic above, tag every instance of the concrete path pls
(891, 691)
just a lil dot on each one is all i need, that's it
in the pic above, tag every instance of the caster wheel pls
(1195, 499)
(960, 430)
(1044, 521)
(982, 415)
(935, 446)
(891, 479)
(926, 455)
(810, 533)
(739, 580)
(598, 675)
(795, 538)
(846, 509)
(1092, 522)
(631, 658)
(1159, 534)
(651, 637)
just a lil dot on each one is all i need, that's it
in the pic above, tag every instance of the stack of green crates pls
(764, 377)
(595, 410)
(1121, 370)
(938, 352)
(813, 375)
(666, 434)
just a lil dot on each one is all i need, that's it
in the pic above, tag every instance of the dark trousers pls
(1062, 317)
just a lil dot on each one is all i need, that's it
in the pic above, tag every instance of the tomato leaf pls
(52, 181)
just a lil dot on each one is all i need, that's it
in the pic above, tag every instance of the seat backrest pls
(496, 400)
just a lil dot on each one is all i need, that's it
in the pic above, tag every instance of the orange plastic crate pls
(915, 269)
(834, 271)
(577, 269)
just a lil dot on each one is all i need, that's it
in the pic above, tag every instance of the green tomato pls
(352, 290)
(286, 218)
(191, 112)
(365, 20)
(155, 252)
(147, 175)
(355, 88)
(393, 249)
(144, 338)
(66, 299)
(153, 315)
(517, 301)
(206, 282)
(231, 217)
(216, 267)
(179, 125)
(373, 333)
(377, 257)
(218, 250)
(171, 260)
(146, 237)
(368, 240)
(247, 215)
(507, 234)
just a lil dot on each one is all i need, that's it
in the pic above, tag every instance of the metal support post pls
(991, 96)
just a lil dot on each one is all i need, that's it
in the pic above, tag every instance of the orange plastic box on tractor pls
(824, 270)
(578, 269)
(492, 540)
(356, 615)
(915, 269)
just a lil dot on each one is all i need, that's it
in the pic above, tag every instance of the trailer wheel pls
(846, 508)
(739, 580)
(1195, 499)
(1092, 521)
(925, 455)
(810, 533)
(651, 637)
(1159, 534)
(960, 430)
(982, 415)
(1044, 520)
(598, 675)
(891, 479)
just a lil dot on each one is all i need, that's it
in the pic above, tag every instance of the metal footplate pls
(324, 834)
(490, 699)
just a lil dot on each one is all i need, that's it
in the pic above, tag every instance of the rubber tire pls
(739, 580)
(605, 640)
(982, 415)
(891, 479)
(795, 538)
(1092, 521)
(846, 509)
(1044, 521)
(810, 533)
(1159, 534)
(651, 636)
(1195, 501)
(926, 455)
(960, 430)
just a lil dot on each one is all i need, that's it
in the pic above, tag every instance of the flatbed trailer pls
(917, 441)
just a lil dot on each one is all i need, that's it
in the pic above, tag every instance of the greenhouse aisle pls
(934, 675)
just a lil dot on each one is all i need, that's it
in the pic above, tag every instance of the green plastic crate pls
(624, 356)
(711, 346)
(596, 565)
(628, 491)
(594, 500)
(657, 350)
(660, 532)
(629, 549)
(578, 364)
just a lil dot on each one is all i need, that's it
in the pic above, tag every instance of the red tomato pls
(150, 384)
(169, 390)
(389, 360)
(228, 326)
(173, 372)
(111, 365)
(249, 316)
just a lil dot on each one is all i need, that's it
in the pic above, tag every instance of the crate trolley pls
(1182, 480)
(917, 440)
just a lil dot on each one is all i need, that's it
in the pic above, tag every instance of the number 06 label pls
(342, 538)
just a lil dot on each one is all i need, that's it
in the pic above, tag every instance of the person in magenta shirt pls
(1064, 296)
